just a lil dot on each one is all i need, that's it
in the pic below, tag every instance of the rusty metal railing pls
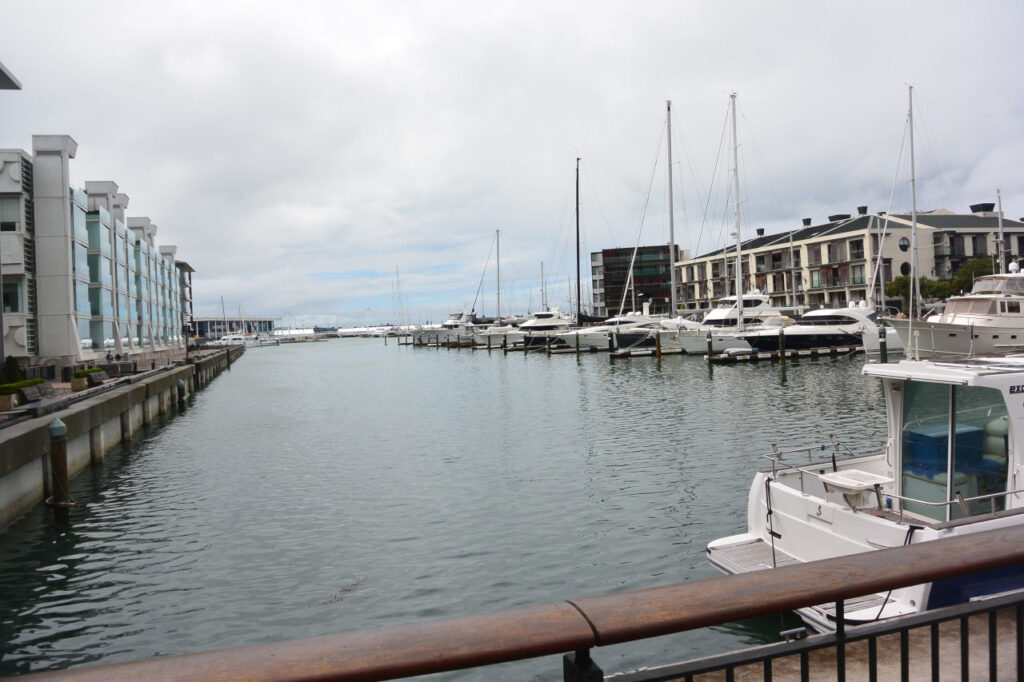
(578, 625)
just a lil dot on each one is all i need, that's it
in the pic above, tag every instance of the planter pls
(79, 383)
(8, 402)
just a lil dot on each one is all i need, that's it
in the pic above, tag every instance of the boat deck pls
(757, 555)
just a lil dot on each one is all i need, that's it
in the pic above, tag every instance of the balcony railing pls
(575, 627)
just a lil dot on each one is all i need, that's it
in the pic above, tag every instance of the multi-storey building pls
(651, 278)
(831, 264)
(80, 281)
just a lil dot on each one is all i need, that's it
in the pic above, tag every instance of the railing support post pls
(580, 667)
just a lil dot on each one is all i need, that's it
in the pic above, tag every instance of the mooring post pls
(883, 346)
(60, 500)
(547, 343)
(577, 344)
(488, 343)
(611, 342)
(709, 346)
(782, 345)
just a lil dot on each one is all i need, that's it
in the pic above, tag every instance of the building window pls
(856, 249)
(904, 243)
(905, 269)
(857, 274)
(10, 213)
(12, 297)
(815, 279)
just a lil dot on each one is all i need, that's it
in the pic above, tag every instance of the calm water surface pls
(330, 487)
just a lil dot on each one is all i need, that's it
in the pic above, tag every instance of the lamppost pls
(7, 82)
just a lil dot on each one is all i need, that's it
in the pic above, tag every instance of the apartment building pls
(80, 280)
(651, 282)
(831, 264)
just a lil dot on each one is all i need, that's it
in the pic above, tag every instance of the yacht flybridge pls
(952, 465)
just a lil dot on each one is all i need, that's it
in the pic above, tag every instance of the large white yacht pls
(598, 335)
(987, 320)
(822, 328)
(721, 324)
(543, 325)
(953, 464)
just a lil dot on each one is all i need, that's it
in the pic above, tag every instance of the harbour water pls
(330, 487)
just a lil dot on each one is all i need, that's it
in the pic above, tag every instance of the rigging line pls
(640, 228)
(714, 175)
(933, 150)
(480, 286)
(597, 198)
(888, 212)
(764, 166)
(548, 276)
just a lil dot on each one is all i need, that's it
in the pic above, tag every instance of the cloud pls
(297, 155)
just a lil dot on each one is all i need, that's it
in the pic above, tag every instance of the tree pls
(968, 272)
(10, 372)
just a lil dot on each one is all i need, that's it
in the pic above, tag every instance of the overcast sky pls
(298, 154)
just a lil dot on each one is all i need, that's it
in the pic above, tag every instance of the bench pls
(96, 378)
(30, 394)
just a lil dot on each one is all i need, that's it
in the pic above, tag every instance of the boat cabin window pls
(1010, 307)
(972, 462)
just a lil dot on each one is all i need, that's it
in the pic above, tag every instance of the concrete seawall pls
(95, 425)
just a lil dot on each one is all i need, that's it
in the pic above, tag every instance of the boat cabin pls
(955, 423)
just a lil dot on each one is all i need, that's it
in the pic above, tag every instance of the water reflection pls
(323, 488)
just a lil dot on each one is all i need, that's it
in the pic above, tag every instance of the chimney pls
(982, 208)
(807, 222)
(862, 210)
(838, 216)
(760, 232)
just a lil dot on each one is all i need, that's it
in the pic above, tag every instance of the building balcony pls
(942, 250)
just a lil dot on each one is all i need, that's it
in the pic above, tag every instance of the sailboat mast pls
(497, 241)
(1001, 247)
(671, 214)
(543, 290)
(915, 277)
(736, 186)
(578, 308)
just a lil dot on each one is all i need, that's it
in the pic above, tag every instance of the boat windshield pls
(967, 306)
(975, 464)
(995, 284)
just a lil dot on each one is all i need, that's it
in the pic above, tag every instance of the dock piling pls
(883, 346)
(782, 345)
(60, 500)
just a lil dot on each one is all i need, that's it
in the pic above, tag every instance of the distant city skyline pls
(299, 157)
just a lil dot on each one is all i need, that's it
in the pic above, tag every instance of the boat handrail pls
(775, 456)
(959, 499)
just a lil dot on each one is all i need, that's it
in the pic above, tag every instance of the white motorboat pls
(987, 320)
(722, 324)
(598, 335)
(542, 326)
(822, 328)
(952, 465)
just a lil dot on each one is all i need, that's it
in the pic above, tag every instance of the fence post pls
(60, 500)
(580, 667)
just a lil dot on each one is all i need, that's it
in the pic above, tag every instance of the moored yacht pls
(951, 466)
(822, 328)
(543, 325)
(722, 324)
(987, 320)
(598, 335)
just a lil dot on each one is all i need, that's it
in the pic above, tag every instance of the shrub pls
(11, 371)
(9, 389)
(86, 372)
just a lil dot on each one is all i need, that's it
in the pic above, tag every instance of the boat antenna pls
(1001, 247)
(497, 258)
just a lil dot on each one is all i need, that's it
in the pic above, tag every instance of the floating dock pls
(776, 356)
